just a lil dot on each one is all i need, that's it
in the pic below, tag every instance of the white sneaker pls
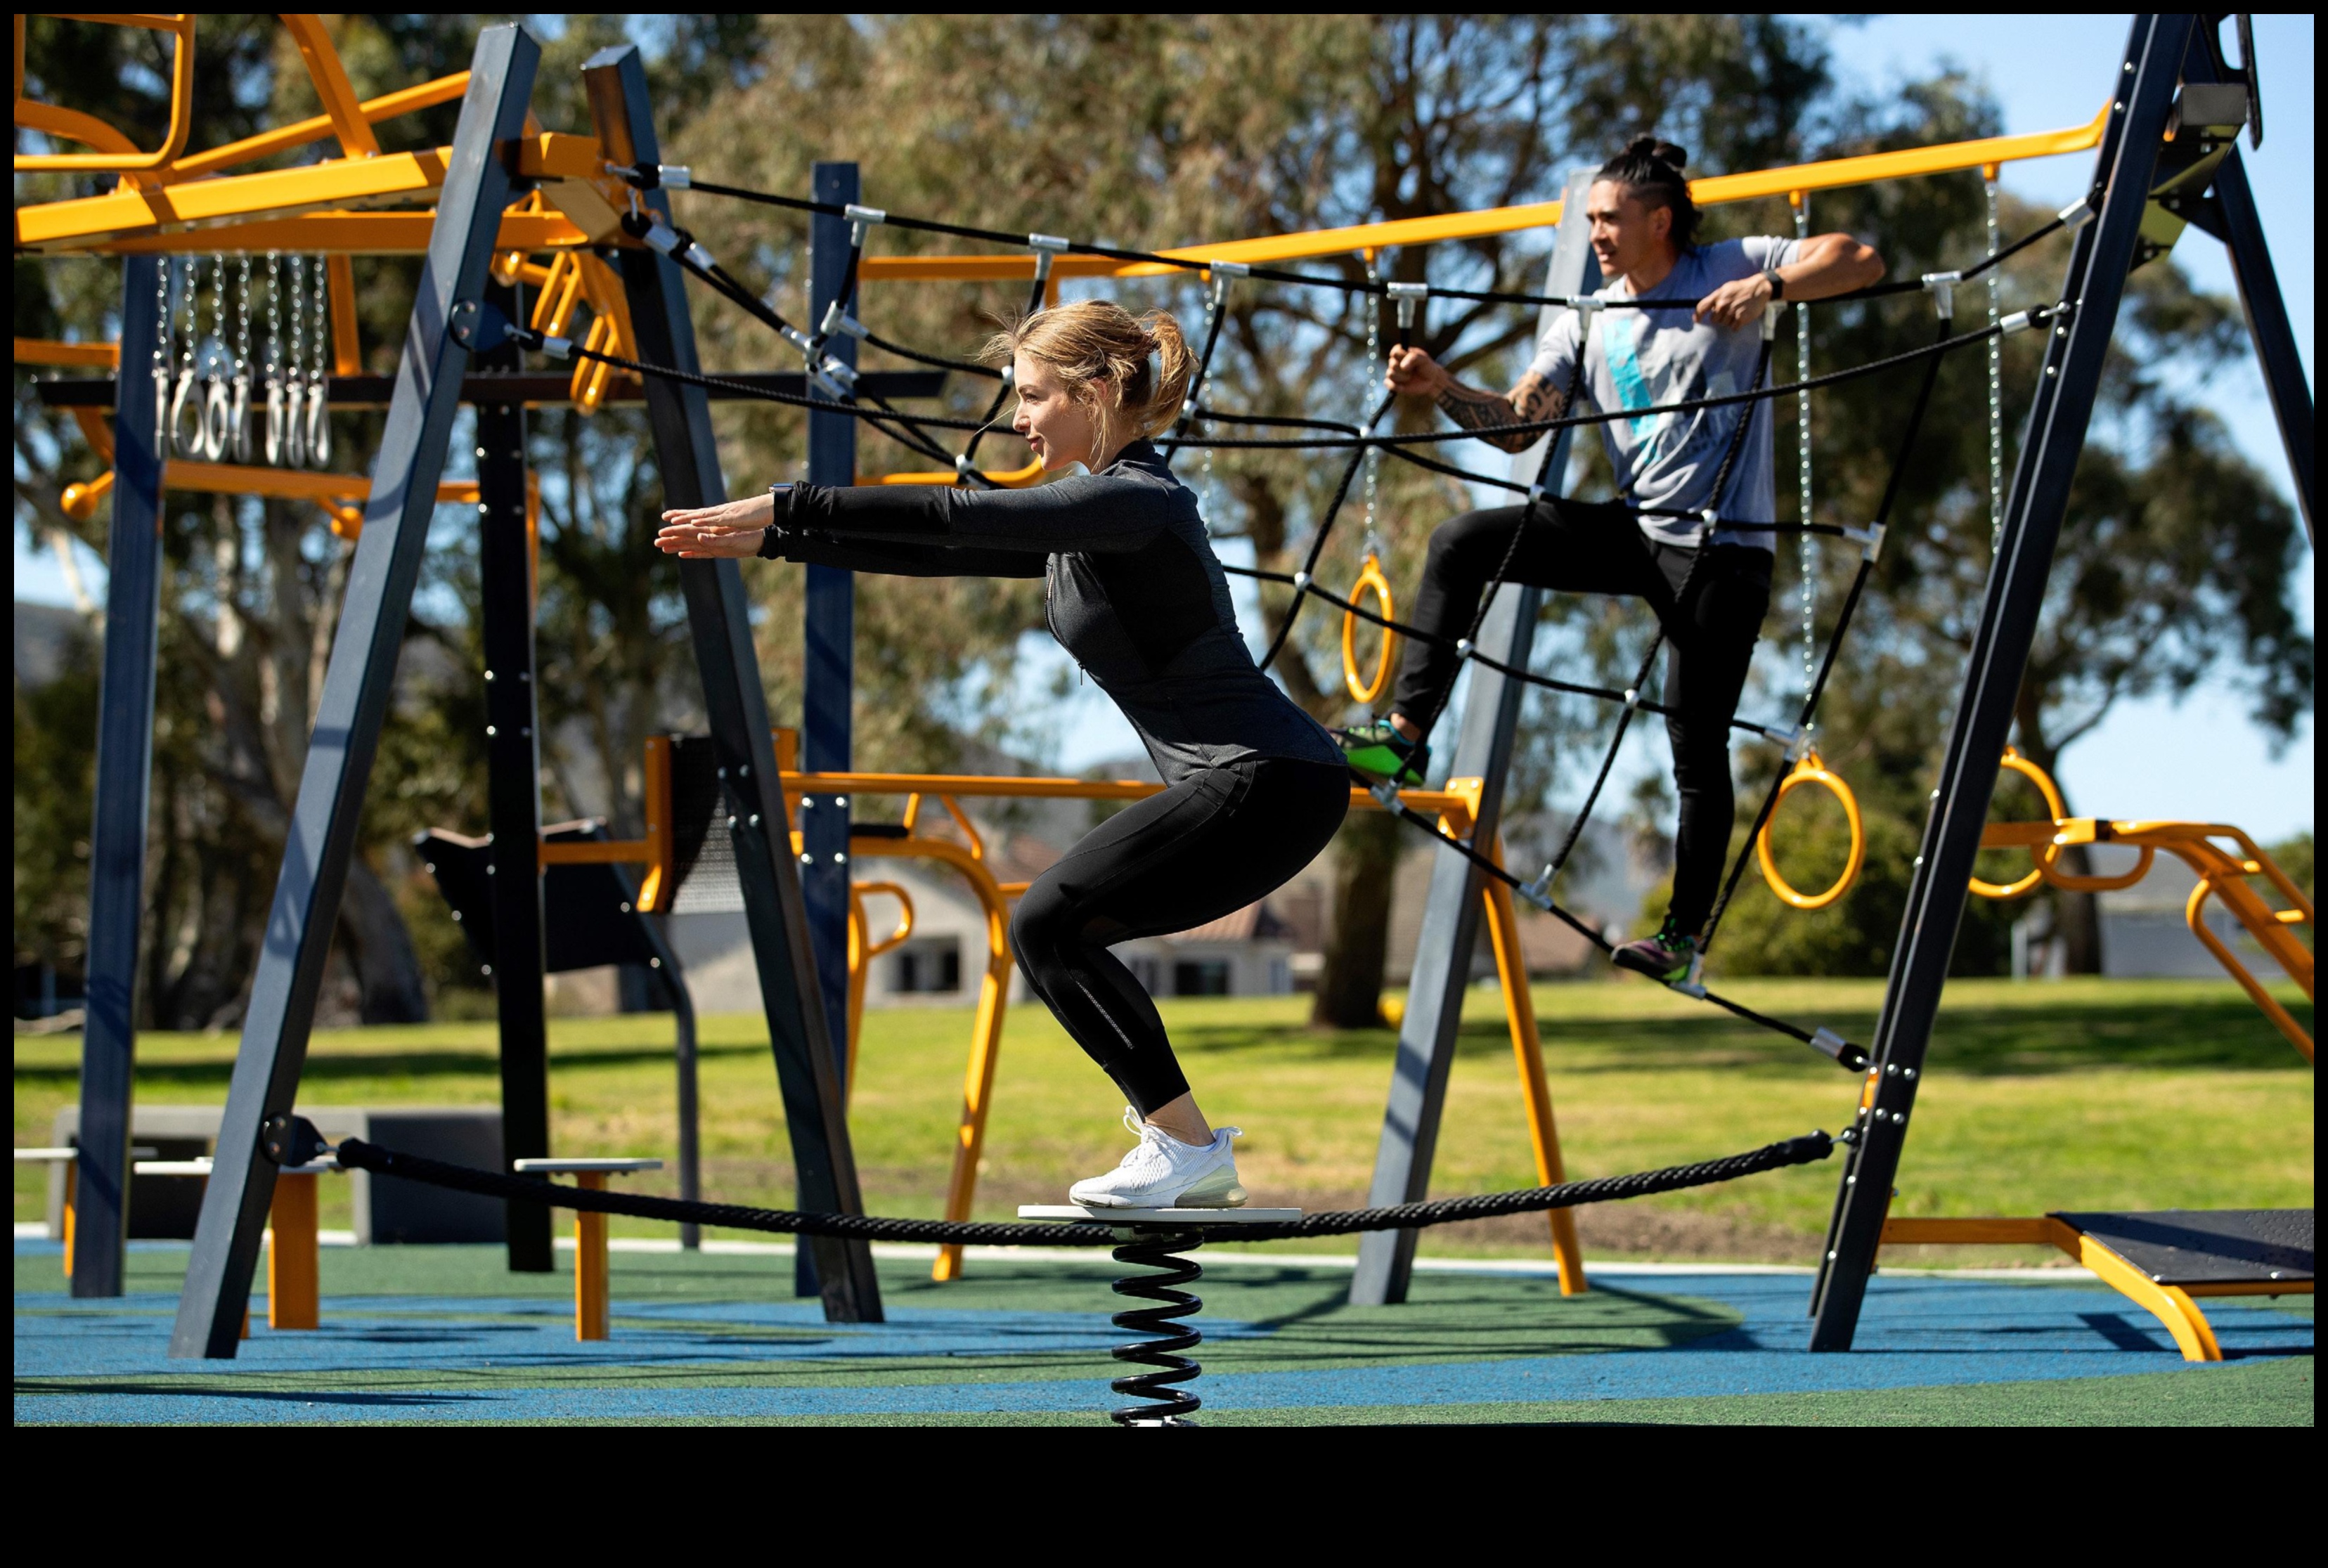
(1162, 1172)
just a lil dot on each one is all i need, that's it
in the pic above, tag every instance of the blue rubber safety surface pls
(514, 1359)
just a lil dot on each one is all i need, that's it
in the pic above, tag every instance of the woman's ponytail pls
(1171, 373)
(1134, 373)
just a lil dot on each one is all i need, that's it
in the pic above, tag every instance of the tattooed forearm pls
(1488, 413)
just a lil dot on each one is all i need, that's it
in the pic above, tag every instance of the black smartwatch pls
(1777, 284)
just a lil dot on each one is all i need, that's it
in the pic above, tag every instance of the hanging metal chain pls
(239, 410)
(273, 356)
(218, 371)
(318, 413)
(1806, 551)
(294, 435)
(1995, 377)
(1217, 300)
(185, 397)
(1366, 402)
(162, 358)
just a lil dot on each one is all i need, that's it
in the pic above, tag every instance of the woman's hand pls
(731, 528)
(1412, 372)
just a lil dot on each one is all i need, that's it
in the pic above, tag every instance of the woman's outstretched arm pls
(1086, 512)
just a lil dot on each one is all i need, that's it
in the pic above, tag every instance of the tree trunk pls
(1365, 864)
(2076, 917)
(379, 949)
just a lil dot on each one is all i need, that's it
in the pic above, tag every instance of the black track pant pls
(1206, 848)
(1587, 548)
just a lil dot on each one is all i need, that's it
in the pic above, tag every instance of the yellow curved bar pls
(2043, 854)
(1010, 479)
(1370, 580)
(986, 1030)
(862, 952)
(111, 159)
(1810, 770)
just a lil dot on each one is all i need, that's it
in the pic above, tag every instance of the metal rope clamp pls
(1943, 286)
(1408, 295)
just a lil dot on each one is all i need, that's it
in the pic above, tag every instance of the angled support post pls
(829, 633)
(2267, 324)
(2231, 214)
(357, 688)
(1451, 918)
(125, 768)
(513, 794)
(737, 709)
(2075, 354)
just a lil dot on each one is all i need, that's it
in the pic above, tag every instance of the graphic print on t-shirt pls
(1650, 359)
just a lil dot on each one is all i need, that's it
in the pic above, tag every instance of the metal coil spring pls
(1171, 1404)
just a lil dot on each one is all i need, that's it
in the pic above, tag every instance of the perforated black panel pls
(2207, 1246)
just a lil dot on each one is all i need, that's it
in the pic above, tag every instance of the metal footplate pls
(2207, 1247)
(1152, 1238)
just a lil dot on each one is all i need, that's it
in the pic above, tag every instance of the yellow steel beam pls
(44, 351)
(300, 132)
(80, 223)
(345, 234)
(110, 158)
(337, 94)
(1948, 157)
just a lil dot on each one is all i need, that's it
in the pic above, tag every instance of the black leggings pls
(1206, 848)
(1588, 548)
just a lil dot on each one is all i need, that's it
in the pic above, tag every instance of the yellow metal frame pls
(2223, 874)
(115, 154)
(1370, 581)
(2175, 1306)
(1810, 770)
(1457, 806)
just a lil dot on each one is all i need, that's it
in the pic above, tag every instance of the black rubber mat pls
(2179, 1246)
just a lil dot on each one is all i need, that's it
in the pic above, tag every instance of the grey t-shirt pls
(1639, 359)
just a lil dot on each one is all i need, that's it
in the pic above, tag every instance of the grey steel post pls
(2074, 360)
(2228, 213)
(827, 629)
(1450, 916)
(736, 708)
(125, 767)
(358, 686)
(2267, 324)
(513, 794)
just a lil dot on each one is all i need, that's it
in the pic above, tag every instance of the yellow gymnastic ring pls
(1810, 770)
(2044, 856)
(1370, 578)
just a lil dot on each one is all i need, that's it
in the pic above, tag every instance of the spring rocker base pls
(1152, 1238)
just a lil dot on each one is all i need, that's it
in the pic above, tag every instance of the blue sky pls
(2198, 759)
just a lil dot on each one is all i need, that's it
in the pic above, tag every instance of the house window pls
(1200, 977)
(929, 967)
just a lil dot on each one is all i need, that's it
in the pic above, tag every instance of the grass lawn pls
(2083, 1093)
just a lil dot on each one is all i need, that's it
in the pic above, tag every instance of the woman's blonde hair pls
(1143, 361)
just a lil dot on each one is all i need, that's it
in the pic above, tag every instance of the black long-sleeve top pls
(1132, 588)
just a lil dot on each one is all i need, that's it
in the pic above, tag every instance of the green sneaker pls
(1665, 958)
(1380, 752)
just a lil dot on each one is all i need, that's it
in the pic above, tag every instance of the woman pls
(1254, 786)
(1667, 466)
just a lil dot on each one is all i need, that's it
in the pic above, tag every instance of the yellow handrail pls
(1948, 157)
(1009, 478)
(111, 156)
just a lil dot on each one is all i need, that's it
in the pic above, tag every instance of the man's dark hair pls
(1650, 169)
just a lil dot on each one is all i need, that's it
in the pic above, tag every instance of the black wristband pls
(1778, 282)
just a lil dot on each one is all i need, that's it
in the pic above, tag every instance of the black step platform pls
(2231, 1246)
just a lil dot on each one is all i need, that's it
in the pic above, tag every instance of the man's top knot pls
(1650, 168)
